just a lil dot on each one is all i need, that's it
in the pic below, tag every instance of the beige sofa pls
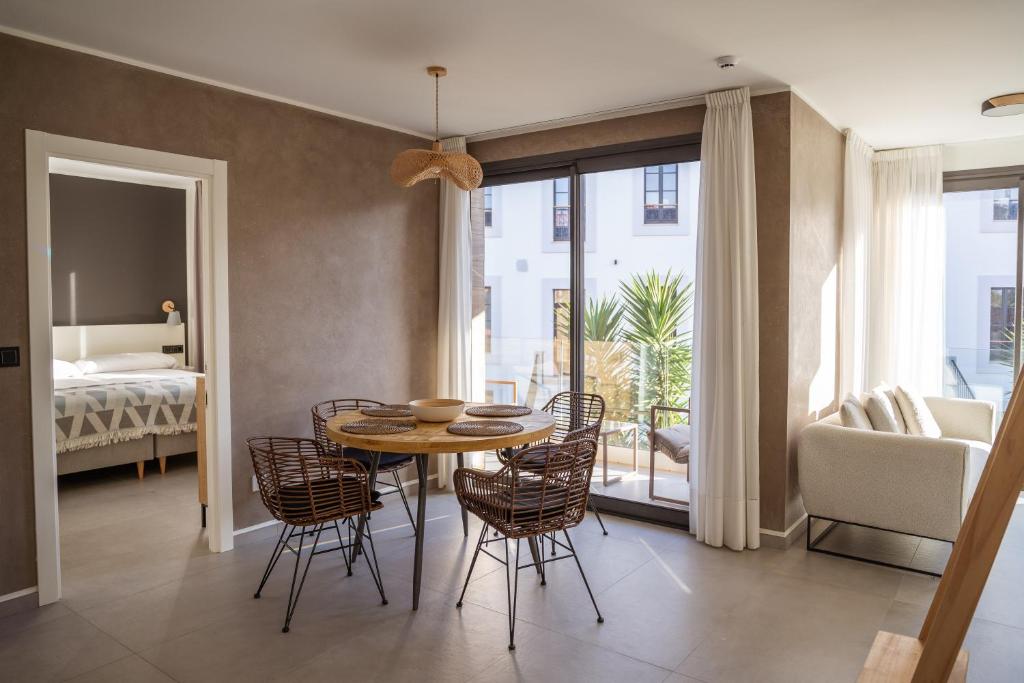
(910, 484)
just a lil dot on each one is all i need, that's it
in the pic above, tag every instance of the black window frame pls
(556, 306)
(1012, 209)
(488, 200)
(661, 212)
(1000, 336)
(561, 213)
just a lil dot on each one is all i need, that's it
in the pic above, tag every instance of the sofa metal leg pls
(814, 545)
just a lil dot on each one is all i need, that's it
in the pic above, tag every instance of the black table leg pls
(535, 552)
(465, 515)
(374, 464)
(421, 525)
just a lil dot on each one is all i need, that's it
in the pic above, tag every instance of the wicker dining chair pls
(310, 491)
(577, 416)
(389, 462)
(540, 491)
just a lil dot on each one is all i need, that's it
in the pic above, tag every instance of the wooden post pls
(935, 656)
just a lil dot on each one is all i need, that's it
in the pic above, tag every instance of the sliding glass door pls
(983, 269)
(527, 287)
(588, 263)
(639, 263)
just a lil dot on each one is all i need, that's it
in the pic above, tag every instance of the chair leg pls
(344, 548)
(374, 567)
(593, 508)
(272, 562)
(540, 562)
(586, 583)
(513, 593)
(472, 564)
(405, 501)
(295, 592)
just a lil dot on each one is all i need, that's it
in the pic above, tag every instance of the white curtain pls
(907, 263)
(455, 302)
(724, 487)
(858, 206)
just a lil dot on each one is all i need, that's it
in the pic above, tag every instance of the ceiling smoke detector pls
(727, 62)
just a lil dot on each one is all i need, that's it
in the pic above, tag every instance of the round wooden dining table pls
(433, 438)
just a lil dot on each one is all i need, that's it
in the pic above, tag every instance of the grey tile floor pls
(144, 601)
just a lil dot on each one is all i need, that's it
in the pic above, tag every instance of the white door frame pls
(40, 148)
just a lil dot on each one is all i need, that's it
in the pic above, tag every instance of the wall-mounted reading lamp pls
(173, 316)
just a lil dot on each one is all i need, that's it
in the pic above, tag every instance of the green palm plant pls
(656, 308)
(607, 360)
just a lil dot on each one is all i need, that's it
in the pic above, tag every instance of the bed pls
(122, 396)
(113, 418)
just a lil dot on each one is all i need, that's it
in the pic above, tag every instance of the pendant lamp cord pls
(436, 105)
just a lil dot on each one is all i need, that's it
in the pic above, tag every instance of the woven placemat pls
(393, 410)
(377, 427)
(484, 428)
(499, 411)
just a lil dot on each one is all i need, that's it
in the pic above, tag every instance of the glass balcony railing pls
(629, 377)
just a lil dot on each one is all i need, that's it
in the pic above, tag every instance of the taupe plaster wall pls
(816, 224)
(124, 244)
(333, 269)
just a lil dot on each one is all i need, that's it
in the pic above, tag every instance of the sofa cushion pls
(880, 412)
(920, 421)
(897, 412)
(853, 415)
(674, 442)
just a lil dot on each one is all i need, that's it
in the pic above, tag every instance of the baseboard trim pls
(272, 522)
(783, 539)
(19, 594)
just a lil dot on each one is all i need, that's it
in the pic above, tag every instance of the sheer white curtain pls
(907, 264)
(858, 207)
(724, 487)
(455, 301)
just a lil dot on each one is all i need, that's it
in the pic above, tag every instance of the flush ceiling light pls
(414, 165)
(1004, 105)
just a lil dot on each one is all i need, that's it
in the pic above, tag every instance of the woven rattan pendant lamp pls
(414, 165)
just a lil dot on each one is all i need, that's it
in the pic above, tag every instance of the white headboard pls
(78, 341)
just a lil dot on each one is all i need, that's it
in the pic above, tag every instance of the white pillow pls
(65, 370)
(920, 420)
(119, 362)
(879, 412)
(884, 412)
(851, 414)
(897, 412)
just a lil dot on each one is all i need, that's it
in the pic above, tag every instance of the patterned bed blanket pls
(113, 407)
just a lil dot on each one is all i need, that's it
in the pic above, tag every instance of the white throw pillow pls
(920, 420)
(121, 362)
(880, 413)
(65, 370)
(897, 412)
(852, 414)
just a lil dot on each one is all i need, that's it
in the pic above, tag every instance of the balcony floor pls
(635, 486)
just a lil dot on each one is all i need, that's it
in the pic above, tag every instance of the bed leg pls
(140, 466)
(163, 465)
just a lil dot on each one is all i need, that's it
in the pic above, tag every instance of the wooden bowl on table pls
(436, 409)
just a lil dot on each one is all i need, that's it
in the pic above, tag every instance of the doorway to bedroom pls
(127, 356)
(128, 314)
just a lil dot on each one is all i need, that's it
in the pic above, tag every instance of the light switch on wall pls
(255, 486)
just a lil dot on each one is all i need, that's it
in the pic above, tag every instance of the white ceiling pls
(901, 72)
